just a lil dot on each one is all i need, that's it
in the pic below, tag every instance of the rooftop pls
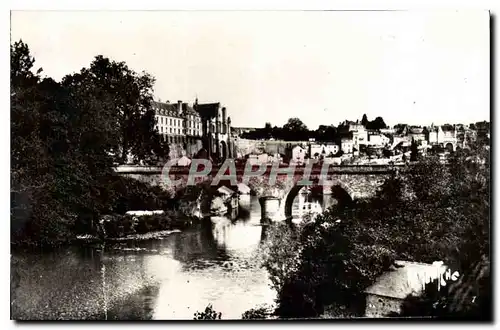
(408, 278)
(171, 109)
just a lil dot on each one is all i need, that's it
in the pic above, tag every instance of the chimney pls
(179, 107)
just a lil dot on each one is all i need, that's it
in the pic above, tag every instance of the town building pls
(216, 129)
(417, 134)
(377, 139)
(347, 143)
(323, 150)
(444, 136)
(177, 122)
(181, 123)
(355, 131)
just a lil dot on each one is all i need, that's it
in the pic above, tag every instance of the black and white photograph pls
(250, 165)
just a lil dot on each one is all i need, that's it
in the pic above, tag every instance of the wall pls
(381, 306)
(177, 150)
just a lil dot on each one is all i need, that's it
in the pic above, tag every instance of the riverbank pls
(119, 228)
(169, 278)
(134, 237)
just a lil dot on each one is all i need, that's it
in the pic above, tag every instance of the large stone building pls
(181, 123)
(177, 122)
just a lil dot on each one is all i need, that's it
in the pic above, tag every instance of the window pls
(170, 122)
(170, 129)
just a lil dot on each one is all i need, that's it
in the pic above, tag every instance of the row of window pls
(177, 139)
(179, 131)
(177, 122)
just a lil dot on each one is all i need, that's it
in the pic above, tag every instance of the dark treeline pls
(296, 130)
(66, 138)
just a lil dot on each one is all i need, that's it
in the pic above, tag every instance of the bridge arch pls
(223, 150)
(339, 191)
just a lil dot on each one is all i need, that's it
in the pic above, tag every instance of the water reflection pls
(216, 263)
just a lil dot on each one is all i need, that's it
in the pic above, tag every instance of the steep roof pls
(408, 278)
(207, 110)
(171, 109)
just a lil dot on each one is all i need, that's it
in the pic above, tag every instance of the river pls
(172, 278)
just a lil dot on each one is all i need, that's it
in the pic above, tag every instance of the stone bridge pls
(346, 183)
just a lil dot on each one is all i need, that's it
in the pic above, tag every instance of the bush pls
(259, 313)
(208, 314)
(435, 212)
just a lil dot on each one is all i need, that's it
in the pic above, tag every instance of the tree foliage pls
(66, 138)
(377, 123)
(208, 314)
(432, 212)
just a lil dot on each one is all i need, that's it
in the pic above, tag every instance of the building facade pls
(178, 122)
(181, 123)
(445, 136)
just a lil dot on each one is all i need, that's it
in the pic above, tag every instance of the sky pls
(415, 67)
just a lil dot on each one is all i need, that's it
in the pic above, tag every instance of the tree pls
(295, 129)
(364, 120)
(123, 96)
(65, 137)
(325, 133)
(378, 123)
(259, 313)
(208, 314)
(414, 151)
(148, 144)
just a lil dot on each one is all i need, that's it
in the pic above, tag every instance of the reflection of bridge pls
(347, 182)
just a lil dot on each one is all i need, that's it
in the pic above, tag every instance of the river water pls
(218, 263)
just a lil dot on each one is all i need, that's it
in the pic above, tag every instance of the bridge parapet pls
(240, 169)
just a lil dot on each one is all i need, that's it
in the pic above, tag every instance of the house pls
(442, 135)
(323, 150)
(389, 291)
(356, 130)
(417, 134)
(347, 143)
(298, 154)
(377, 139)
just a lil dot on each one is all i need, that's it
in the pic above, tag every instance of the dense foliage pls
(257, 313)
(432, 212)
(208, 314)
(66, 138)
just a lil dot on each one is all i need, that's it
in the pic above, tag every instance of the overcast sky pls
(323, 67)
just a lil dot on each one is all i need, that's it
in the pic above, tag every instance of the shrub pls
(435, 212)
(259, 313)
(208, 314)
